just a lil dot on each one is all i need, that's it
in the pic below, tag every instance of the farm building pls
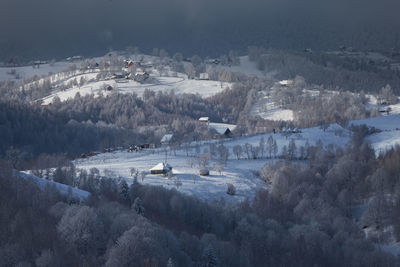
(118, 76)
(286, 83)
(161, 169)
(141, 76)
(203, 76)
(204, 119)
(226, 134)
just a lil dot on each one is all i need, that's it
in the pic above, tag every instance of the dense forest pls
(323, 206)
(307, 218)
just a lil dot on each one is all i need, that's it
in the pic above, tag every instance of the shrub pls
(231, 190)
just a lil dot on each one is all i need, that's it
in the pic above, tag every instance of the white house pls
(203, 76)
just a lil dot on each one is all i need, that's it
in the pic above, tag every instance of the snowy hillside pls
(267, 109)
(180, 85)
(246, 67)
(390, 135)
(62, 188)
(11, 73)
(240, 172)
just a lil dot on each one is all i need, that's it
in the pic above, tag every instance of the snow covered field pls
(390, 135)
(180, 85)
(266, 108)
(28, 71)
(240, 172)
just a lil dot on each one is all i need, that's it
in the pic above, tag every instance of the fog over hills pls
(48, 28)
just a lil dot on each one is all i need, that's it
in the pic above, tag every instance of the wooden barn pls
(226, 134)
(161, 169)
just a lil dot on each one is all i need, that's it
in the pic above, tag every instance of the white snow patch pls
(62, 188)
(180, 85)
(246, 67)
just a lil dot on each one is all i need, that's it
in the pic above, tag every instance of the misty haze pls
(199, 133)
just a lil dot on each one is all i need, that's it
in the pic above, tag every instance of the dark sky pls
(58, 28)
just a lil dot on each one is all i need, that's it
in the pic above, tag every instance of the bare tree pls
(238, 150)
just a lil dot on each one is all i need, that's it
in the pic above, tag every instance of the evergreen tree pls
(124, 191)
(170, 263)
(209, 257)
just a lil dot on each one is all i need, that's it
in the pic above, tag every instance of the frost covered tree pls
(142, 175)
(247, 150)
(80, 229)
(275, 148)
(292, 149)
(209, 257)
(238, 150)
(270, 146)
(170, 263)
(124, 191)
(387, 96)
(262, 146)
(190, 71)
(223, 153)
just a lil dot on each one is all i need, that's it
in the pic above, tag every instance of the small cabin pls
(286, 83)
(203, 76)
(226, 134)
(204, 119)
(141, 76)
(161, 169)
(143, 146)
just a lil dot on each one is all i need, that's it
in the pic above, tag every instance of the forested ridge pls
(306, 219)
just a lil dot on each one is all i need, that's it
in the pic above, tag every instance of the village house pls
(286, 83)
(141, 76)
(226, 134)
(203, 76)
(205, 120)
(161, 169)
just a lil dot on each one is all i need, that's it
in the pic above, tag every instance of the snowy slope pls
(266, 108)
(238, 172)
(28, 71)
(384, 141)
(211, 187)
(246, 67)
(180, 85)
(390, 135)
(63, 189)
(384, 123)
